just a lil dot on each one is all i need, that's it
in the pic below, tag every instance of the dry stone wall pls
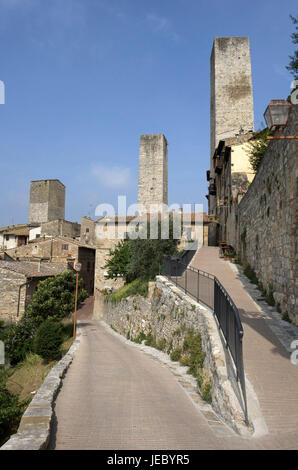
(267, 221)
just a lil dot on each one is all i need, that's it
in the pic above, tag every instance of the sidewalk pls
(266, 361)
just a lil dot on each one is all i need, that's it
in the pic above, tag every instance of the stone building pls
(232, 176)
(18, 282)
(12, 236)
(47, 201)
(63, 250)
(231, 98)
(153, 172)
(54, 228)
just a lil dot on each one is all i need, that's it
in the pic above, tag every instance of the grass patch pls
(141, 337)
(28, 376)
(176, 355)
(250, 273)
(136, 287)
(286, 317)
(193, 357)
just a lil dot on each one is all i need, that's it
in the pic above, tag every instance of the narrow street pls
(116, 397)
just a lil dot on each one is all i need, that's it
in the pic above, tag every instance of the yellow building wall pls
(240, 161)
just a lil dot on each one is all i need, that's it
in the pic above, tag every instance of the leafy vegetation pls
(137, 287)
(251, 274)
(55, 298)
(142, 257)
(293, 65)
(48, 339)
(11, 409)
(18, 339)
(176, 355)
(257, 148)
(118, 263)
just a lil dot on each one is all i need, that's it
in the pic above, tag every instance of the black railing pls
(207, 289)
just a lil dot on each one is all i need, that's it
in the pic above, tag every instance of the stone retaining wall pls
(168, 314)
(267, 221)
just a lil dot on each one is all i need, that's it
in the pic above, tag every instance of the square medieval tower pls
(47, 201)
(231, 100)
(153, 171)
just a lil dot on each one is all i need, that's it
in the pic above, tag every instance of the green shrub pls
(48, 340)
(176, 355)
(67, 330)
(192, 347)
(55, 298)
(286, 317)
(136, 287)
(141, 336)
(257, 147)
(143, 256)
(18, 340)
(11, 410)
(150, 340)
(161, 344)
(269, 296)
(250, 273)
(206, 392)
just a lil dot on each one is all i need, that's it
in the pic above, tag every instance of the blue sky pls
(84, 78)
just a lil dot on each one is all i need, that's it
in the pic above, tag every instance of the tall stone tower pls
(153, 170)
(47, 201)
(231, 103)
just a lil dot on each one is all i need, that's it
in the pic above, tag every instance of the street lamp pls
(77, 268)
(277, 117)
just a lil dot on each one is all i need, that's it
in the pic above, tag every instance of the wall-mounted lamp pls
(277, 117)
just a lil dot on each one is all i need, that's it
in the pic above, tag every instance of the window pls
(64, 247)
(7, 237)
(87, 230)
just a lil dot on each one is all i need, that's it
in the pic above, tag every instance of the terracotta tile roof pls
(129, 218)
(30, 268)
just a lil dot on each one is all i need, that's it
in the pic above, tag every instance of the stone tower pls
(231, 103)
(153, 170)
(47, 201)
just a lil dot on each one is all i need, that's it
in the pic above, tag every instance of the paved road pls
(267, 363)
(116, 397)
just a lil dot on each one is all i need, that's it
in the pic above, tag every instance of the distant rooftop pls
(30, 268)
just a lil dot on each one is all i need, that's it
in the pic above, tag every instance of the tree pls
(55, 298)
(142, 257)
(293, 65)
(257, 148)
(119, 260)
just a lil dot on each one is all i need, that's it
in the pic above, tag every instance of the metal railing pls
(207, 289)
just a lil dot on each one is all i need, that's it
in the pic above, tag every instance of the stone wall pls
(57, 227)
(267, 221)
(87, 234)
(13, 296)
(169, 314)
(102, 255)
